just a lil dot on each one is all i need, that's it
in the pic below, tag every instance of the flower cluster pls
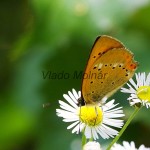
(102, 121)
(139, 91)
(128, 146)
(125, 146)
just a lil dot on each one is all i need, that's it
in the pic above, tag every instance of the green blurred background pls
(46, 35)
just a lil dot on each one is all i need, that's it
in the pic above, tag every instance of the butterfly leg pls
(96, 115)
(79, 117)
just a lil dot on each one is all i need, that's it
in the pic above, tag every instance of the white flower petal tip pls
(110, 117)
(104, 100)
(128, 146)
(139, 90)
(92, 146)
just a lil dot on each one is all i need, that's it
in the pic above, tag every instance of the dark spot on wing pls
(112, 83)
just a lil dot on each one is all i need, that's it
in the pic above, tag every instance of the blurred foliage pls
(56, 36)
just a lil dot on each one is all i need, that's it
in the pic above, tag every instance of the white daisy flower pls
(93, 120)
(92, 145)
(139, 90)
(128, 146)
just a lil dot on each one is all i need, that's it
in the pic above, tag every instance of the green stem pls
(83, 139)
(124, 127)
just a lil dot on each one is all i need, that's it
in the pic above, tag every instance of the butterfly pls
(109, 67)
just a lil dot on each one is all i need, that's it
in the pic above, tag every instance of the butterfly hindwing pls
(108, 72)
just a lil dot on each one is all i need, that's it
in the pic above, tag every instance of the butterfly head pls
(81, 102)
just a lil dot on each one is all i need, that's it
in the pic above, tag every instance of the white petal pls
(102, 133)
(65, 113)
(148, 80)
(70, 119)
(87, 132)
(79, 93)
(115, 110)
(131, 88)
(76, 129)
(72, 97)
(82, 126)
(94, 133)
(129, 146)
(76, 95)
(67, 107)
(70, 101)
(133, 83)
(109, 105)
(124, 90)
(141, 79)
(114, 122)
(92, 145)
(72, 125)
(111, 132)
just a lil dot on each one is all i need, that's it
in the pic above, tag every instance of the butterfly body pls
(111, 66)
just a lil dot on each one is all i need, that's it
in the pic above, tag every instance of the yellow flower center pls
(143, 93)
(91, 115)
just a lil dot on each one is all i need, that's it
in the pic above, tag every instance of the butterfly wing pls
(107, 73)
(101, 45)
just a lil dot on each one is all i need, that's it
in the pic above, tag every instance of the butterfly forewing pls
(108, 72)
(101, 45)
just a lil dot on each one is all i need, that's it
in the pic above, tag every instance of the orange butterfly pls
(109, 67)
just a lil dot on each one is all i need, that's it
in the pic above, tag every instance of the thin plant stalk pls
(124, 127)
